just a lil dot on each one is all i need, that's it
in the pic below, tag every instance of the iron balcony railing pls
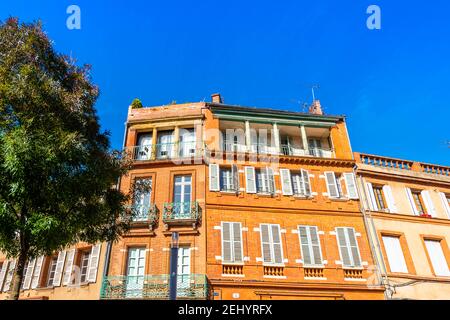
(179, 211)
(164, 151)
(189, 286)
(144, 213)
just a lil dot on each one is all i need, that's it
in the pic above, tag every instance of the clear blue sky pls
(392, 84)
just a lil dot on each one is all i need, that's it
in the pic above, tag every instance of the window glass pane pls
(437, 258)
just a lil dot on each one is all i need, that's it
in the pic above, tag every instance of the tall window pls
(310, 245)
(135, 272)
(417, 197)
(437, 257)
(348, 247)
(315, 147)
(144, 148)
(84, 265)
(333, 184)
(142, 199)
(164, 149)
(187, 142)
(394, 254)
(52, 270)
(300, 183)
(232, 242)
(265, 181)
(272, 249)
(226, 179)
(379, 197)
(182, 194)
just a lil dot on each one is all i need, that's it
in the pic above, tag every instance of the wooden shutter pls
(411, 201)
(237, 242)
(94, 258)
(371, 197)
(29, 274)
(304, 245)
(9, 275)
(310, 245)
(331, 185)
(214, 182)
(286, 183)
(69, 267)
(235, 174)
(350, 185)
(343, 247)
(445, 203)
(250, 181)
(3, 273)
(37, 272)
(389, 198)
(354, 250)
(276, 243)
(306, 183)
(431, 210)
(266, 247)
(270, 181)
(59, 268)
(315, 245)
(226, 242)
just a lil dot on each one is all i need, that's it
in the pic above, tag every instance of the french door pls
(183, 271)
(144, 149)
(182, 195)
(135, 272)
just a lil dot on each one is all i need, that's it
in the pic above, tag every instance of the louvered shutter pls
(270, 180)
(3, 273)
(69, 267)
(276, 243)
(350, 185)
(9, 275)
(315, 245)
(343, 247)
(237, 242)
(214, 182)
(372, 202)
(286, 183)
(235, 174)
(390, 199)
(29, 274)
(428, 203)
(94, 258)
(353, 247)
(331, 185)
(250, 182)
(445, 203)
(59, 268)
(37, 272)
(306, 183)
(226, 242)
(265, 243)
(304, 243)
(411, 201)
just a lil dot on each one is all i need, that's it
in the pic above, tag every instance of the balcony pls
(162, 151)
(179, 213)
(190, 286)
(144, 214)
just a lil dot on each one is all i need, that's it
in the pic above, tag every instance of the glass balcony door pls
(144, 149)
(135, 272)
(183, 271)
(187, 143)
(182, 196)
(315, 147)
(165, 144)
(142, 199)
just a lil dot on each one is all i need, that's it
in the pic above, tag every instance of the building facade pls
(406, 206)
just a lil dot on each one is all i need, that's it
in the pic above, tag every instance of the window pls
(51, 270)
(265, 183)
(394, 254)
(333, 184)
(144, 148)
(182, 194)
(9, 275)
(3, 269)
(300, 183)
(437, 257)
(348, 247)
(84, 263)
(310, 245)
(142, 199)
(379, 197)
(232, 242)
(315, 147)
(418, 202)
(271, 246)
(229, 179)
(445, 199)
(135, 272)
(164, 148)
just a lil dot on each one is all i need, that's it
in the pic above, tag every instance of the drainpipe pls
(372, 236)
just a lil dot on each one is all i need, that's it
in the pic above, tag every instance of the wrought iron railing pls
(189, 286)
(176, 211)
(164, 151)
(143, 213)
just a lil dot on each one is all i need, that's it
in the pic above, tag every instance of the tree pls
(57, 173)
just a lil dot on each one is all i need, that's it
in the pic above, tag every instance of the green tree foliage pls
(136, 104)
(57, 174)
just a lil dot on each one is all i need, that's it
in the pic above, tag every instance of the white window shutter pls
(350, 184)
(331, 185)
(235, 174)
(250, 180)
(445, 203)
(9, 275)
(29, 274)
(354, 250)
(315, 245)
(266, 247)
(3, 273)
(286, 184)
(69, 267)
(276, 243)
(306, 182)
(390, 198)
(237, 242)
(37, 272)
(344, 247)
(431, 210)
(227, 254)
(371, 197)
(437, 257)
(214, 182)
(304, 245)
(94, 258)
(270, 180)
(411, 201)
(394, 254)
(59, 268)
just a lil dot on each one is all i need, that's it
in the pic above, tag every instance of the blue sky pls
(392, 84)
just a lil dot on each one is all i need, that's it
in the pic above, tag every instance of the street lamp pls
(173, 267)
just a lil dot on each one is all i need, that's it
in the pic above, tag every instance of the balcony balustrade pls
(189, 286)
(181, 213)
(161, 151)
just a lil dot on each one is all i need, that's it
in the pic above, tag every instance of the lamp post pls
(173, 267)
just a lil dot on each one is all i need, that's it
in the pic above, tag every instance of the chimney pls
(216, 98)
(315, 107)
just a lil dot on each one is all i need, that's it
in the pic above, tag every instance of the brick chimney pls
(216, 98)
(315, 107)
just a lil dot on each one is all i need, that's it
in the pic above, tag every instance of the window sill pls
(300, 197)
(308, 266)
(231, 193)
(353, 268)
(280, 265)
(265, 195)
(339, 199)
(232, 263)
